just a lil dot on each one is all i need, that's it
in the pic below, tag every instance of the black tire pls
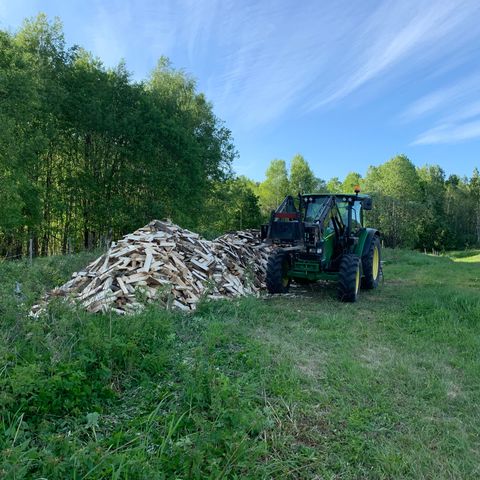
(277, 268)
(349, 276)
(371, 264)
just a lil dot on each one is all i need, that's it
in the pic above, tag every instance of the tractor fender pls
(365, 240)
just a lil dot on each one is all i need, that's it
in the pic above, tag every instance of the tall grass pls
(288, 387)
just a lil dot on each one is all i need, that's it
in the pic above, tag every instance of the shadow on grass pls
(464, 254)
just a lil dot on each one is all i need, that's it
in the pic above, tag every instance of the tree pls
(459, 211)
(397, 178)
(474, 188)
(302, 179)
(395, 186)
(351, 181)
(320, 186)
(432, 229)
(22, 140)
(275, 187)
(87, 154)
(233, 205)
(334, 185)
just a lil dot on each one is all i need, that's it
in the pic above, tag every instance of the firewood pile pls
(164, 263)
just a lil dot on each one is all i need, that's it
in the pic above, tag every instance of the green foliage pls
(413, 207)
(395, 187)
(302, 179)
(278, 184)
(232, 205)
(351, 181)
(334, 185)
(474, 190)
(275, 187)
(433, 230)
(320, 185)
(87, 154)
(157, 395)
(419, 207)
(397, 178)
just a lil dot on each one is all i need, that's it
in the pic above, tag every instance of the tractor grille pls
(304, 267)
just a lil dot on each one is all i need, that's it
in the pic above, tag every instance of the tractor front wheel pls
(371, 263)
(278, 266)
(349, 276)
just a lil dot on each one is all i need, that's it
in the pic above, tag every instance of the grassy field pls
(299, 386)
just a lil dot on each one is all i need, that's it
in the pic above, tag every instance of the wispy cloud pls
(260, 61)
(466, 112)
(457, 96)
(449, 133)
(400, 39)
(142, 31)
(280, 58)
(454, 111)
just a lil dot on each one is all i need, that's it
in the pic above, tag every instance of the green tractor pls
(323, 238)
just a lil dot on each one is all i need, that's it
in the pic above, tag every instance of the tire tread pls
(368, 282)
(275, 272)
(349, 264)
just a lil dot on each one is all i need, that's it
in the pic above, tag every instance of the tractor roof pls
(361, 196)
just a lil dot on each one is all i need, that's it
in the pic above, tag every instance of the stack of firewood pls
(164, 263)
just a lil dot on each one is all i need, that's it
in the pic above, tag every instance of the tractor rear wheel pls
(349, 276)
(278, 266)
(371, 264)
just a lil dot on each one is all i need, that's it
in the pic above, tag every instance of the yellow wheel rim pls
(376, 262)
(357, 280)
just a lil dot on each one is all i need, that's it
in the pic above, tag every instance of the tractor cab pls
(313, 204)
(323, 237)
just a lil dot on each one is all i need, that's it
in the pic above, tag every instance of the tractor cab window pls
(314, 207)
(356, 213)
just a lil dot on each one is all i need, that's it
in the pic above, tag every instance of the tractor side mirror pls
(367, 203)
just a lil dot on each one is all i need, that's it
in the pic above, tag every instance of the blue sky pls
(347, 84)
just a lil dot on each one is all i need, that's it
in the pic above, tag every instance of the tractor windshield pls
(314, 207)
(356, 213)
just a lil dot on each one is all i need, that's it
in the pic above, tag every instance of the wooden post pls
(30, 250)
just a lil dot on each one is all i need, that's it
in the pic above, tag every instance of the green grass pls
(468, 256)
(299, 386)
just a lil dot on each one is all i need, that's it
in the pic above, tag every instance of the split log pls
(164, 256)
